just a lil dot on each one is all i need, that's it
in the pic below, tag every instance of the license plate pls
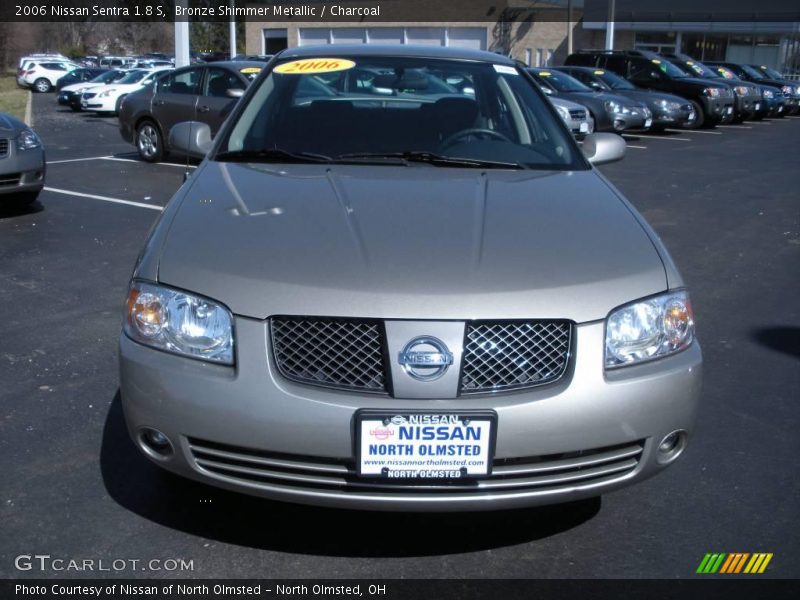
(584, 128)
(729, 110)
(758, 106)
(425, 445)
(648, 122)
(691, 116)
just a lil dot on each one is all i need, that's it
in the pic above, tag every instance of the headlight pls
(768, 94)
(615, 107)
(28, 140)
(564, 113)
(106, 94)
(741, 90)
(178, 322)
(787, 89)
(711, 92)
(649, 329)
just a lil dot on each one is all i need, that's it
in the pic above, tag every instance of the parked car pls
(746, 96)
(609, 111)
(408, 303)
(22, 166)
(108, 98)
(712, 102)
(80, 75)
(41, 76)
(196, 93)
(772, 98)
(790, 89)
(71, 95)
(575, 116)
(668, 110)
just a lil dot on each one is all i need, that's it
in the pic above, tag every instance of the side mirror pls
(190, 137)
(234, 93)
(602, 148)
(547, 91)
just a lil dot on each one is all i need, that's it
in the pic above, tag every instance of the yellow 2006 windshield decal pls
(314, 65)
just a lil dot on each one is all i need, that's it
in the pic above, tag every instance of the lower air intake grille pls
(503, 355)
(335, 353)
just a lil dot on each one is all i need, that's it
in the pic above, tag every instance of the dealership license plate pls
(758, 106)
(584, 128)
(416, 446)
(729, 110)
(648, 122)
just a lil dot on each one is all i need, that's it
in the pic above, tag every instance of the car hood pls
(598, 98)
(410, 242)
(74, 87)
(10, 125)
(650, 97)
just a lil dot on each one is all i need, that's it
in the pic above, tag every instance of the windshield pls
(771, 73)
(697, 69)
(726, 73)
(561, 81)
(754, 73)
(614, 81)
(400, 110)
(133, 77)
(668, 68)
(108, 77)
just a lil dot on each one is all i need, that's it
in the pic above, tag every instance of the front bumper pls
(97, 104)
(680, 117)
(22, 171)
(247, 429)
(717, 109)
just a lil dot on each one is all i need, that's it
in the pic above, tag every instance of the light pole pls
(610, 26)
(232, 31)
(182, 57)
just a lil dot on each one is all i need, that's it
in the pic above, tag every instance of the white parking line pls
(143, 162)
(69, 160)
(637, 147)
(761, 123)
(735, 126)
(655, 137)
(104, 198)
(694, 131)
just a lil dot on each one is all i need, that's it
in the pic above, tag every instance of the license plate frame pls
(366, 420)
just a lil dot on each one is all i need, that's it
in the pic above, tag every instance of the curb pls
(28, 114)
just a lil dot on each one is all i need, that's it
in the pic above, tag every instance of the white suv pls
(41, 75)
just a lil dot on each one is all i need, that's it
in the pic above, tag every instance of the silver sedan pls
(399, 296)
(22, 167)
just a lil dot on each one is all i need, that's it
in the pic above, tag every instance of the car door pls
(175, 97)
(216, 101)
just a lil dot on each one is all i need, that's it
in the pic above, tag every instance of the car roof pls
(396, 50)
(234, 64)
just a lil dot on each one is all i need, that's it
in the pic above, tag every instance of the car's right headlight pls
(179, 322)
(106, 93)
(564, 113)
(649, 329)
(768, 94)
(711, 92)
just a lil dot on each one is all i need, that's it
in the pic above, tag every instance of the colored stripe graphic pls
(723, 563)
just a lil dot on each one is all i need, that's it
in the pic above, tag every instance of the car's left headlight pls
(106, 93)
(741, 90)
(564, 113)
(179, 322)
(28, 140)
(649, 329)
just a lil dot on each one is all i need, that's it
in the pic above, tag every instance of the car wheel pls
(75, 107)
(42, 85)
(149, 142)
(119, 104)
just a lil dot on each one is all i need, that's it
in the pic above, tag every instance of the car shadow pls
(780, 339)
(10, 209)
(147, 490)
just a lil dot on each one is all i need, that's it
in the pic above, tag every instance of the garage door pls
(459, 37)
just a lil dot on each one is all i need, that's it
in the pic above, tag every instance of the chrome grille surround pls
(507, 355)
(566, 470)
(337, 353)
(577, 114)
(3, 148)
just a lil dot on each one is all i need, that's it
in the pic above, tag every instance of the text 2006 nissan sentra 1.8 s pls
(396, 282)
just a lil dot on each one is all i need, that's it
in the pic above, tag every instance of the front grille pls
(504, 355)
(330, 352)
(88, 95)
(577, 114)
(509, 475)
(3, 148)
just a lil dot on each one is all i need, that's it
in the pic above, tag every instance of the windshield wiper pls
(270, 155)
(429, 158)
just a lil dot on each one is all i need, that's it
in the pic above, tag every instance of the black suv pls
(712, 102)
(754, 74)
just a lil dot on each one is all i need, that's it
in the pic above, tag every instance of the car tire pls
(699, 118)
(75, 108)
(42, 85)
(149, 141)
(118, 105)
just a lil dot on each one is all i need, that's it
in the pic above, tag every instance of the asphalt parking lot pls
(725, 202)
